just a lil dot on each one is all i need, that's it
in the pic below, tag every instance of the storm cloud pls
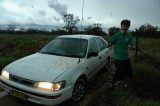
(42, 12)
(61, 9)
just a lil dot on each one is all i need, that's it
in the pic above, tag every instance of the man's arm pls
(110, 45)
(132, 44)
(112, 40)
(131, 47)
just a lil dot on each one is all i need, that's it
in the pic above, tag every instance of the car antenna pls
(81, 27)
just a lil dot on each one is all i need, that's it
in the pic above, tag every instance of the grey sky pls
(107, 12)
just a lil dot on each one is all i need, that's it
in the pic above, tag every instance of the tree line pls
(146, 30)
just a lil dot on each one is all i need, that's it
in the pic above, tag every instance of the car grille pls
(21, 80)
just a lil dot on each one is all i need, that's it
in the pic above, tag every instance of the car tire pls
(79, 91)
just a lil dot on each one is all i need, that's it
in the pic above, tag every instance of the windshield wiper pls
(49, 53)
(77, 56)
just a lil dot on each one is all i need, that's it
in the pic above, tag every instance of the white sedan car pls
(58, 72)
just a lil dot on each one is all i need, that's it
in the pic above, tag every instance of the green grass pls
(123, 97)
(150, 46)
(6, 60)
(13, 47)
(144, 86)
(145, 82)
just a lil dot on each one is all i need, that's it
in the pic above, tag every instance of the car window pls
(93, 45)
(102, 45)
(70, 47)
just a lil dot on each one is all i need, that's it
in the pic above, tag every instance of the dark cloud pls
(42, 12)
(61, 9)
(11, 21)
(89, 17)
(55, 18)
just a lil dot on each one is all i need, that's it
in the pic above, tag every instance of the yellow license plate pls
(18, 95)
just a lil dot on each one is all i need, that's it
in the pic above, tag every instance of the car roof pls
(81, 36)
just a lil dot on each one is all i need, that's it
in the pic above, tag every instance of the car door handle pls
(99, 57)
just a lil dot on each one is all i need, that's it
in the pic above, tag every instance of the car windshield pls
(70, 47)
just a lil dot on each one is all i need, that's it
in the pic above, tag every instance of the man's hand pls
(131, 47)
(109, 45)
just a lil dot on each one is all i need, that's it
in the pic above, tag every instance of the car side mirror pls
(92, 54)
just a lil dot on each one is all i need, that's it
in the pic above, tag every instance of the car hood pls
(41, 67)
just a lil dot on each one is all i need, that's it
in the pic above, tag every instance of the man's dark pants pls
(123, 70)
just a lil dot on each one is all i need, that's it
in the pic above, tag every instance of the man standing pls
(121, 41)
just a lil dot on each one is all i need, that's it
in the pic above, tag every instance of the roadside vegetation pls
(144, 87)
(13, 47)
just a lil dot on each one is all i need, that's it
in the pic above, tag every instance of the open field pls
(13, 47)
(144, 87)
(150, 46)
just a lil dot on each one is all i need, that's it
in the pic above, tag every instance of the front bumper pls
(37, 96)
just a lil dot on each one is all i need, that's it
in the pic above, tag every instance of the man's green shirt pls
(121, 43)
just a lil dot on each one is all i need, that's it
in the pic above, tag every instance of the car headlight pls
(47, 86)
(5, 74)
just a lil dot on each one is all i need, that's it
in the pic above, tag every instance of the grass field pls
(144, 87)
(13, 47)
(151, 47)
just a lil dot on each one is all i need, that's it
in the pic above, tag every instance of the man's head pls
(125, 24)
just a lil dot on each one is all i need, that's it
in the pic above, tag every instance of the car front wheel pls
(79, 90)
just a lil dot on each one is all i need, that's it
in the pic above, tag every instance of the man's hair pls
(125, 22)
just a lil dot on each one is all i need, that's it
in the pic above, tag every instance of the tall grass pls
(144, 87)
(145, 82)
(150, 46)
(13, 47)
(6, 60)
(124, 97)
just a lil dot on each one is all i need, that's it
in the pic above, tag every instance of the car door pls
(103, 51)
(93, 61)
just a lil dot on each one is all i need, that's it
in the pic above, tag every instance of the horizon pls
(108, 13)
